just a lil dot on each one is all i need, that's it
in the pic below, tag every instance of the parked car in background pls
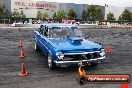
(17, 24)
(64, 45)
(129, 23)
(77, 23)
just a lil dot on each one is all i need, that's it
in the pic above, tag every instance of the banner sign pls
(104, 78)
(34, 4)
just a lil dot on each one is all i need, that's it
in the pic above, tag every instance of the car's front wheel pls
(51, 64)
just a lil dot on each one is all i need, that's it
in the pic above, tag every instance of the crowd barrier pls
(82, 26)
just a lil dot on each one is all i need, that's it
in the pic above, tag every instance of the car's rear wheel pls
(51, 64)
(36, 47)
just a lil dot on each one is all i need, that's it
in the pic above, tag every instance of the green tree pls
(91, 13)
(22, 15)
(126, 15)
(1, 11)
(99, 15)
(71, 14)
(110, 16)
(44, 16)
(84, 15)
(120, 18)
(60, 14)
(94, 13)
(16, 15)
(55, 16)
(39, 15)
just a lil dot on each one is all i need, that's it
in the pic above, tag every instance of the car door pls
(43, 39)
(37, 36)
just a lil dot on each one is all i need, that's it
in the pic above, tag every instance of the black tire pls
(36, 47)
(51, 64)
(81, 80)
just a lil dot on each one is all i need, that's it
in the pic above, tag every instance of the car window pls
(63, 32)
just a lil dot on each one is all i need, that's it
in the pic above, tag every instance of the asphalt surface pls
(39, 76)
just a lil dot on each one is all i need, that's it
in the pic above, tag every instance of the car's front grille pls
(82, 56)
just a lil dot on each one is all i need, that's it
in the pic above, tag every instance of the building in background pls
(78, 8)
(30, 8)
(117, 11)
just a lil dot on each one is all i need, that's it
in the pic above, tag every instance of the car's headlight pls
(60, 55)
(102, 53)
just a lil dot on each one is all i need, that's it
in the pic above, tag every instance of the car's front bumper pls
(97, 60)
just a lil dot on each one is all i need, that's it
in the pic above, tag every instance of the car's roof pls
(53, 25)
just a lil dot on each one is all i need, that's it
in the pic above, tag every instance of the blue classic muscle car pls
(64, 45)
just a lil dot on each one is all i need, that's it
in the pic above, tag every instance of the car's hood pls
(75, 44)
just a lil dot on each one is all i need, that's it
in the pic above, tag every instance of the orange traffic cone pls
(22, 54)
(124, 85)
(108, 49)
(20, 44)
(23, 72)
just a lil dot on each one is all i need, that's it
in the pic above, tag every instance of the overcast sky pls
(118, 3)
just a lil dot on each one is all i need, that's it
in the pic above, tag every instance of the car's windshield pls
(64, 32)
